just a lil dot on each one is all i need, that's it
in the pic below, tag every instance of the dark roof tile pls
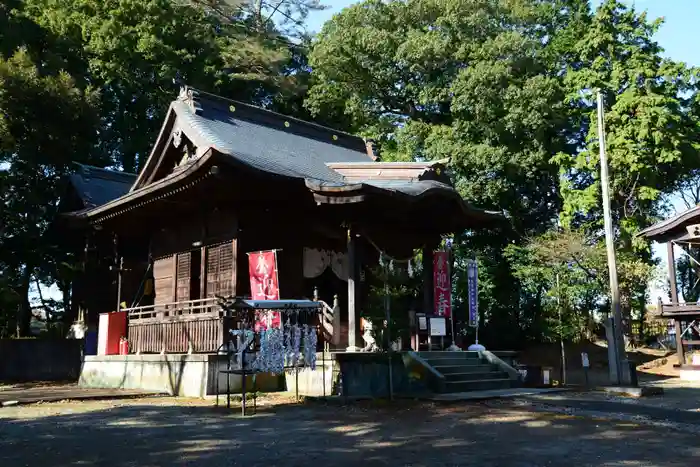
(96, 186)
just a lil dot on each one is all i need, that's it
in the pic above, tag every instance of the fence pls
(24, 360)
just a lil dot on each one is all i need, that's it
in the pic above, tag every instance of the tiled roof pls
(268, 141)
(260, 140)
(96, 186)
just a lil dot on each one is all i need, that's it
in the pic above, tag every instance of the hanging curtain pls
(316, 261)
(339, 265)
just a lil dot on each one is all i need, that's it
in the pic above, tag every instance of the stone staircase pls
(466, 371)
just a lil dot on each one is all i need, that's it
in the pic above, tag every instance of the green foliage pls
(396, 285)
(90, 81)
(652, 139)
(138, 51)
(466, 79)
(505, 89)
(45, 121)
(569, 271)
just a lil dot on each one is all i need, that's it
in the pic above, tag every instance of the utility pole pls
(561, 335)
(620, 362)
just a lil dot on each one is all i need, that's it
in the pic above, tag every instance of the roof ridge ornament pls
(372, 150)
(190, 96)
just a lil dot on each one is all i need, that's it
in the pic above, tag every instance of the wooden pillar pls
(428, 301)
(674, 300)
(679, 342)
(352, 302)
(672, 273)
(203, 273)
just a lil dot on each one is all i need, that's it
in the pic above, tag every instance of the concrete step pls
(450, 361)
(478, 367)
(428, 355)
(476, 376)
(475, 385)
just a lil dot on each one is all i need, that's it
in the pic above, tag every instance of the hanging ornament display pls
(291, 344)
(288, 338)
(296, 344)
(276, 350)
(310, 341)
(260, 363)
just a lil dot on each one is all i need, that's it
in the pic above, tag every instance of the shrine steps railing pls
(330, 322)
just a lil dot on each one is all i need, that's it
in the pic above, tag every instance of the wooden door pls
(163, 272)
(220, 270)
(184, 274)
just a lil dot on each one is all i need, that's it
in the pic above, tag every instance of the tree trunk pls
(24, 309)
(69, 312)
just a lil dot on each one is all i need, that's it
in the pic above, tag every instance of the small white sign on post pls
(438, 326)
(584, 360)
(422, 323)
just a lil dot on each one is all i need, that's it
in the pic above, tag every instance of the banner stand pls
(473, 292)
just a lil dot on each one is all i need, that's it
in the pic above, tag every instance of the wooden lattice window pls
(184, 261)
(220, 270)
(163, 279)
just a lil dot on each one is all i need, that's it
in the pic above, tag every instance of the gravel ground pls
(176, 432)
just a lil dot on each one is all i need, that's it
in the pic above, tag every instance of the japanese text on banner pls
(473, 293)
(442, 283)
(264, 284)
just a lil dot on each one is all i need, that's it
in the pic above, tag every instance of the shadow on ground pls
(403, 433)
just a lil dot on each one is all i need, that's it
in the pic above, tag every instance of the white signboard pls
(438, 327)
(584, 360)
(422, 323)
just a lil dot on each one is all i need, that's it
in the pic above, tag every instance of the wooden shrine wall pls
(163, 273)
(220, 269)
(195, 259)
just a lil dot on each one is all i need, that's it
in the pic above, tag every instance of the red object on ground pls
(123, 346)
(111, 329)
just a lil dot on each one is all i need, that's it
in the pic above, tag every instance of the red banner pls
(264, 284)
(442, 283)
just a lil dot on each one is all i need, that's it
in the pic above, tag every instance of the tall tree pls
(90, 81)
(652, 140)
(478, 81)
(137, 51)
(45, 120)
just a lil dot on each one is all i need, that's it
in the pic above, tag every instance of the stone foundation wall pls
(177, 374)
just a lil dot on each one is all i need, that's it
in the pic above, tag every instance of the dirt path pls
(170, 432)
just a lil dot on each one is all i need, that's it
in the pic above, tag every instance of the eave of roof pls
(672, 225)
(408, 190)
(137, 195)
(96, 186)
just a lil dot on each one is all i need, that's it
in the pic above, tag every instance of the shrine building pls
(225, 180)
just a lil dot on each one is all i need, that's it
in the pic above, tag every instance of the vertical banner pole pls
(277, 275)
(473, 298)
(450, 261)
